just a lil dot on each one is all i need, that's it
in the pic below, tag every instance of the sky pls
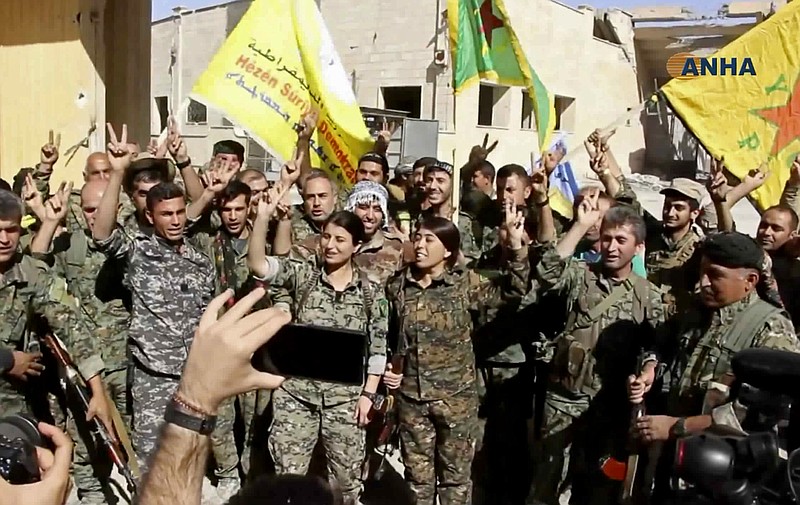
(163, 8)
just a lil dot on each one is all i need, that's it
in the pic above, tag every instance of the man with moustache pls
(299, 231)
(95, 281)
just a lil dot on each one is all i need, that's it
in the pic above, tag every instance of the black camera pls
(19, 438)
(749, 470)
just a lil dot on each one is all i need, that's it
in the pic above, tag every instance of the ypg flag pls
(749, 119)
(484, 46)
(266, 78)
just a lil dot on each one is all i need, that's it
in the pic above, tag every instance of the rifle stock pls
(83, 395)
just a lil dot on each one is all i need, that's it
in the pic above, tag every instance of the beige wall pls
(396, 48)
(53, 59)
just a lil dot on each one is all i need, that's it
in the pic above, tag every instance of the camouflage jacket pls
(229, 256)
(28, 289)
(698, 346)
(673, 266)
(324, 306)
(95, 281)
(170, 290)
(434, 325)
(382, 256)
(612, 324)
(786, 272)
(302, 226)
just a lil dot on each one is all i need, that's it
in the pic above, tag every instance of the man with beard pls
(381, 254)
(299, 231)
(171, 283)
(672, 242)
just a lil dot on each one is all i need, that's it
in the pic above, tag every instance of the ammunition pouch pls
(573, 366)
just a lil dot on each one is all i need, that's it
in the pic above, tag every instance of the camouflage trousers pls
(252, 407)
(437, 444)
(223, 443)
(503, 460)
(91, 466)
(151, 393)
(567, 459)
(297, 426)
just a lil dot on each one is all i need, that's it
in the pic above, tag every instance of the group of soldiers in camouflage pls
(528, 336)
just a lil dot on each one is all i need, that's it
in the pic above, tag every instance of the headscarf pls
(369, 192)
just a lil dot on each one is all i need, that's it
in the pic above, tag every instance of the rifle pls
(626, 472)
(384, 405)
(72, 377)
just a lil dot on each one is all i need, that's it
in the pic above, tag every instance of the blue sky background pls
(163, 8)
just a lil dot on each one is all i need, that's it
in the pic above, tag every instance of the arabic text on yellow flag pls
(277, 64)
(750, 119)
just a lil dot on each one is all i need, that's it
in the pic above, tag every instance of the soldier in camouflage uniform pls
(671, 244)
(332, 293)
(732, 317)
(26, 290)
(299, 234)
(612, 315)
(439, 196)
(432, 303)
(381, 255)
(171, 283)
(96, 283)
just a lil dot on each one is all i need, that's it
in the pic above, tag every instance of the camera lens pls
(19, 437)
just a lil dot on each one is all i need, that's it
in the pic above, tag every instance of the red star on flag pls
(786, 118)
(489, 21)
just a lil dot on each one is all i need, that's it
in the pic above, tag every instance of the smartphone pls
(315, 352)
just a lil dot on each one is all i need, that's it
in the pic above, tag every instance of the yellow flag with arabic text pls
(746, 108)
(278, 64)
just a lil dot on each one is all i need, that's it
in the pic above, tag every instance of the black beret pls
(376, 158)
(229, 147)
(159, 165)
(733, 250)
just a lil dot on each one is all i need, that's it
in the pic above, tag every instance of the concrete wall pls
(60, 73)
(204, 31)
(396, 48)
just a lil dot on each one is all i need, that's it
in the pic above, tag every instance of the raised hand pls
(514, 225)
(794, 172)
(158, 150)
(308, 124)
(56, 207)
(717, 184)
(175, 144)
(212, 180)
(119, 151)
(290, 172)
(599, 163)
(481, 152)
(49, 154)
(539, 184)
(549, 162)
(588, 211)
(32, 196)
(756, 178)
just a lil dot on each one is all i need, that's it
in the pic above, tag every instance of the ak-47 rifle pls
(384, 405)
(73, 379)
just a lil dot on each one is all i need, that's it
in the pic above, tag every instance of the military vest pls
(573, 365)
(711, 356)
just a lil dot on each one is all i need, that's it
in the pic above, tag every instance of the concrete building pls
(68, 65)
(600, 64)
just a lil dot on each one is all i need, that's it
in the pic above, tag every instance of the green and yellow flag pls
(749, 119)
(484, 46)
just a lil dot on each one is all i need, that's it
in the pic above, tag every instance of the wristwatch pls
(679, 428)
(177, 415)
(372, 396)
